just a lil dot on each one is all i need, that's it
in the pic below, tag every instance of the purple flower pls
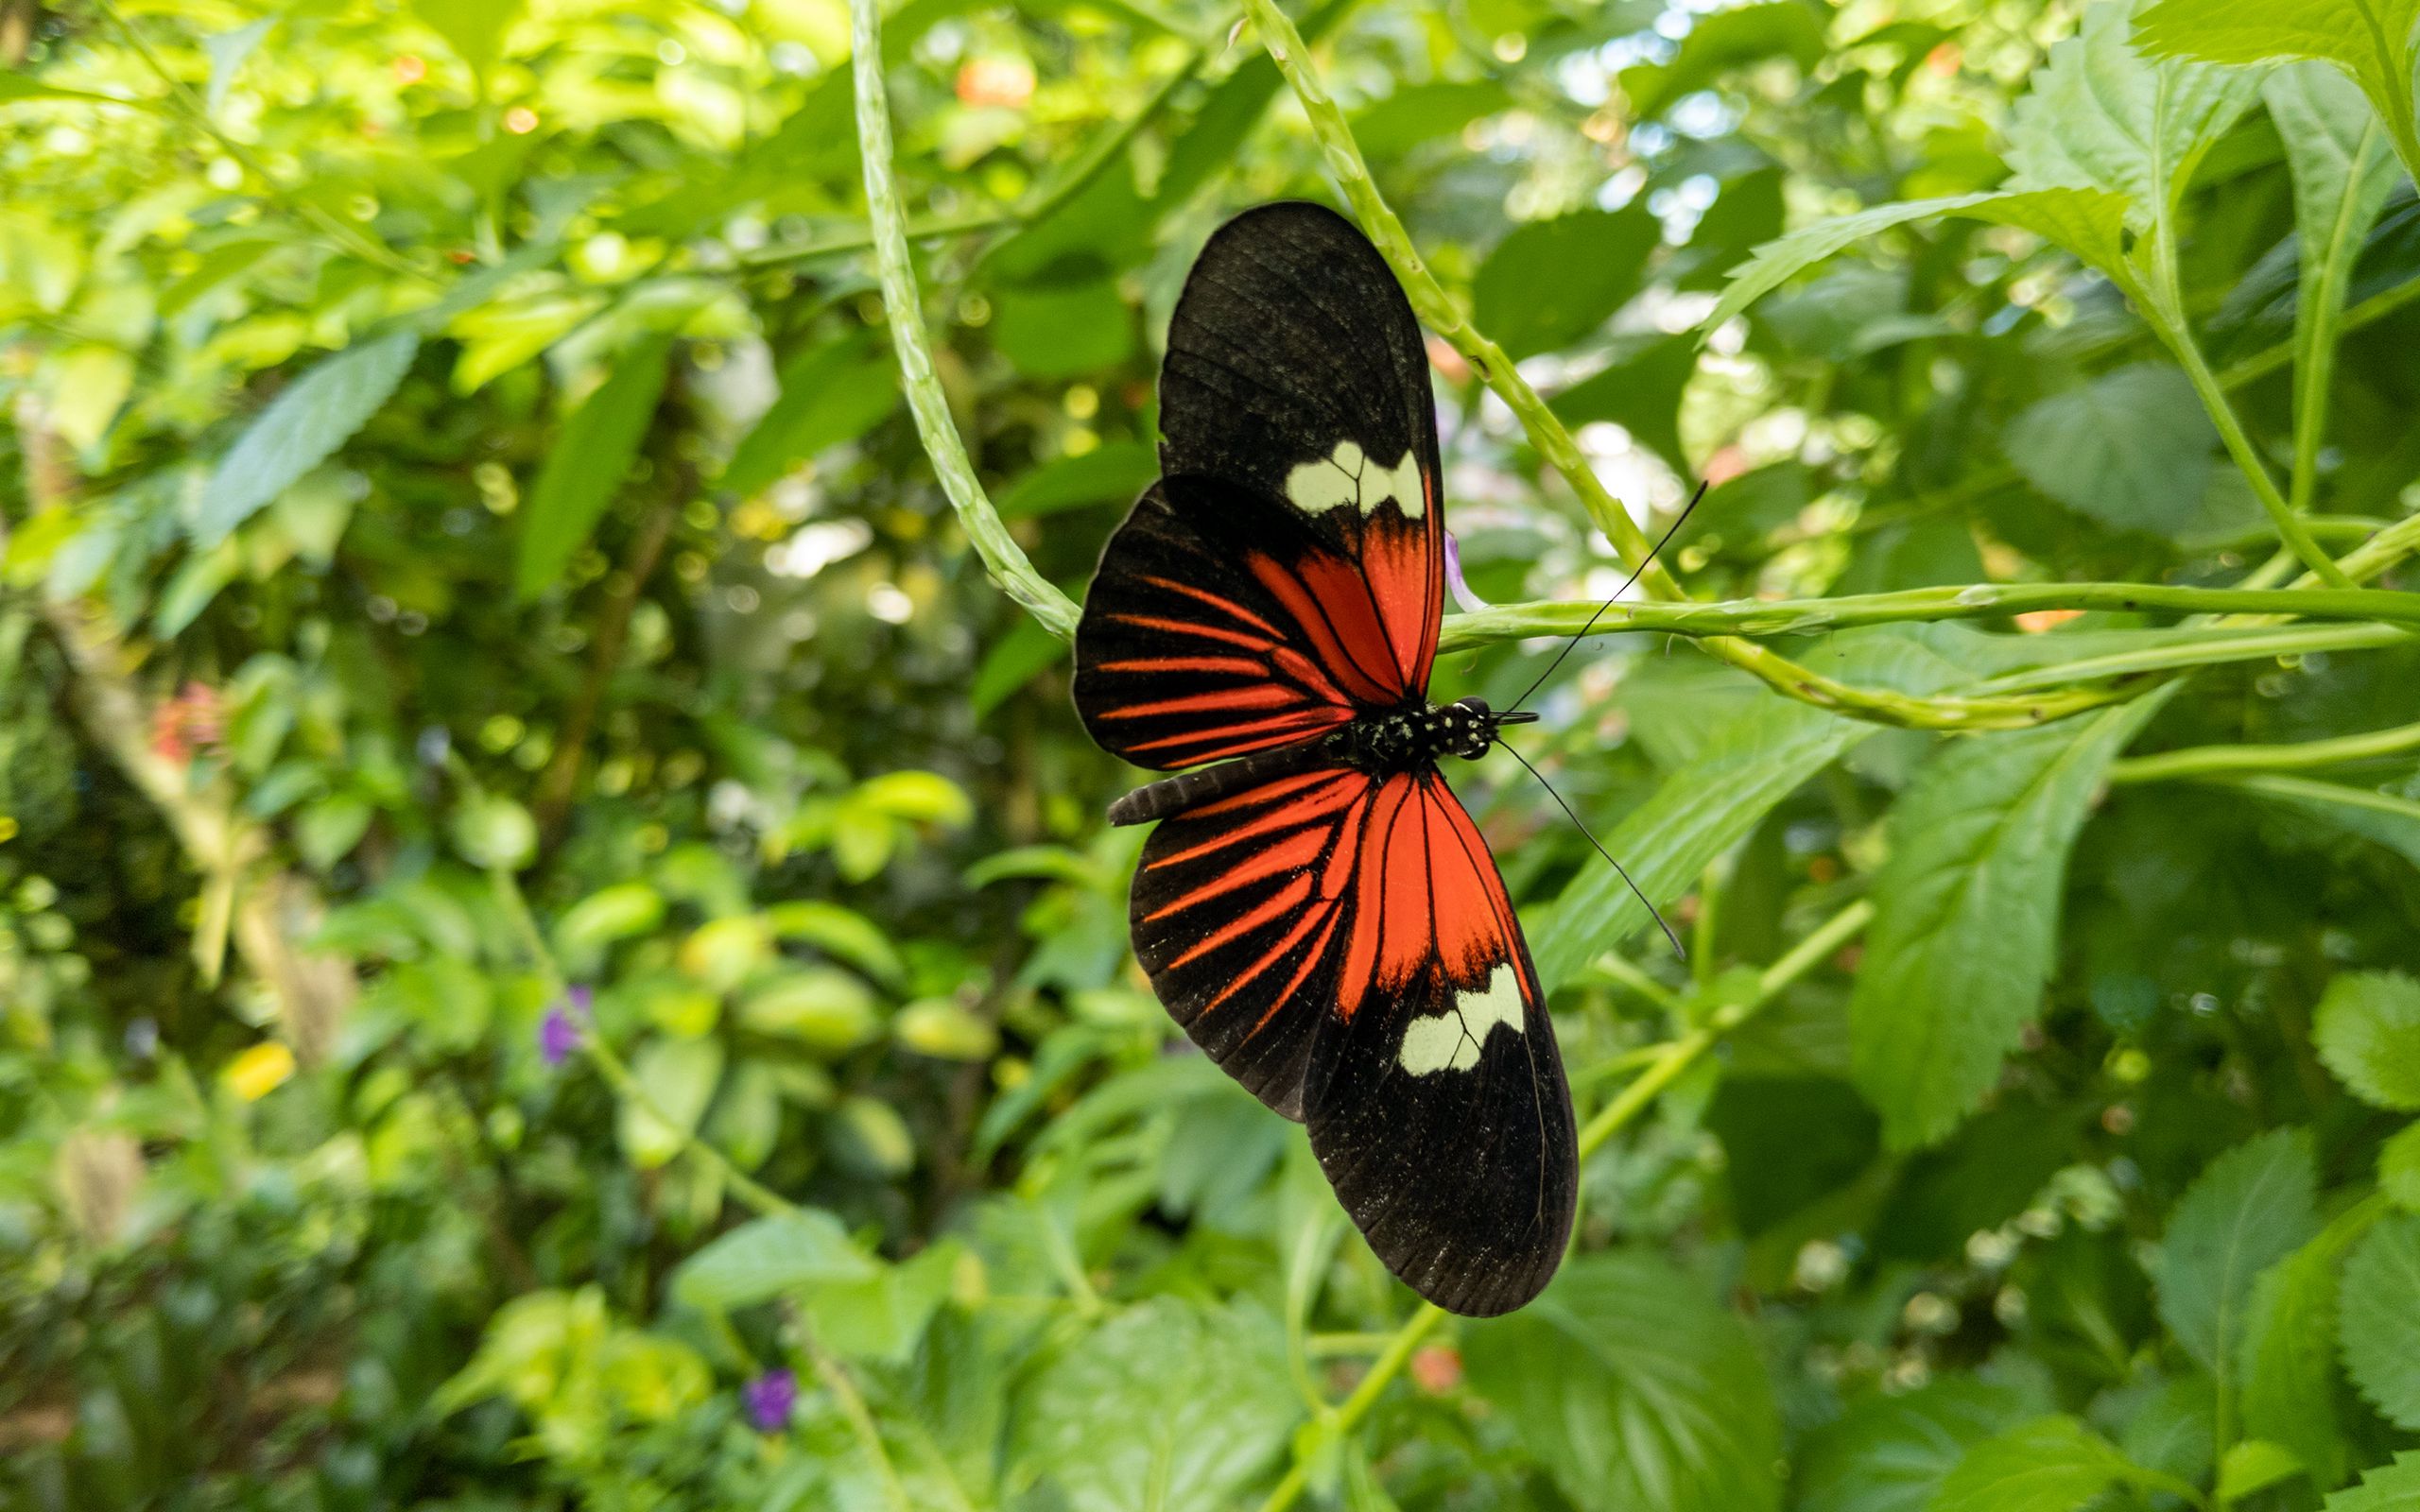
(768, 1400)
(1470, 602)
(559, 1033)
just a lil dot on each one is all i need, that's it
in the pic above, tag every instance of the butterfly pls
(1316, 908)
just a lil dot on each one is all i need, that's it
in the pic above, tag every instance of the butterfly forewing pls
(1295, 369)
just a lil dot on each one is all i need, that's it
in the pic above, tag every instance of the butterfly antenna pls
(1668, 534)
(1652, 911)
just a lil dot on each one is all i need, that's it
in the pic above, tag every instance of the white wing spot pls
(1348, 476)
(1451, 1042)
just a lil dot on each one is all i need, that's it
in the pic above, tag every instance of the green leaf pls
(2100, 116)
(769, 1258)
(1063, 331)
(2382, 1319)
(1640, 391)
(1417, 112)
(2368, 1031)
(229, 51)
(1117, 472)
(2090, 223)
(2286, 1366)
(822, 1007)
(1966, 915)
(679, 1078)
(1890, 1453)
(2051, 1465)
(841, 933)
(2370, 40)
(20, 86)
(2131, 448)
(830, 394)
(1014, 660)
(317, 413)
(2342, 169)
(474, 28)
(1170, 1406)
(1751, 763)
(2249, 1208)
(1552, 282)
(2389, 1488)
(2399, 1168)
(1722, 42)
(1634, 1388)
(879, 1318)
(590, 460)
(2255, 1465)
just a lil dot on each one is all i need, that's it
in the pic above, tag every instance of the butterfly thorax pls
(1415, 733)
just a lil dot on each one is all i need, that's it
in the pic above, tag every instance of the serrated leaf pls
(2368, 1031)
(2051, 1465)
(2370, 40)
(2287, 1367)
(1634, 1389)
(770, 1257)
(589, 461)
(1966, 915)
(1890, 1453)
(2382, 1319)
(2389, 1488)
(829, 394)
(1170, 1406)
(1751, 762)
(2129, 449)
(1552, 282)
(317, 413)
(2099, 115)
(2249, 1208)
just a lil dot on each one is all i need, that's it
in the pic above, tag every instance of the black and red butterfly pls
(1316, 910)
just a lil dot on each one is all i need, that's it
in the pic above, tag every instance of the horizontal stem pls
(2205, 761)
(1751, 617)
(2305, 789)
(2202, 647)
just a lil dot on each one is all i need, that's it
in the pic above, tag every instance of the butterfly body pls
(1316, 908)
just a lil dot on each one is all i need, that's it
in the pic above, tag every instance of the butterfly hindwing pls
(1435, 1094)
(1295, 369)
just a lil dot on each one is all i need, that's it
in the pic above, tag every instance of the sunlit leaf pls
(831, 393)
(2370, 40)
(314, 415)
(770, 1257)
(2052, 1465)
(2368, 1031)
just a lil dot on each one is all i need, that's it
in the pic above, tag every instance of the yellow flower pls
(259, 1071)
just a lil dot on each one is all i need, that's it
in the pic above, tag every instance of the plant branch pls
(1753, 618)
(2208, 761)
(1002, 557)
(2306, 790)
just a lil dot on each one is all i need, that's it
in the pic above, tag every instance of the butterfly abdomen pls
(1204, 785)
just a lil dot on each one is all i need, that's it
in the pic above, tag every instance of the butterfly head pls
(1476, 732)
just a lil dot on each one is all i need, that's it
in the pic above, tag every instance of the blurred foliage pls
(557, 945)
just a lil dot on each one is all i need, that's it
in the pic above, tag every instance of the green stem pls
(1674, 1058)
(2204, 760)
(2202, 647)
(2331, 268)
(1002, 557)
(861, 1424)
(2304, 789)
(1807, 616)
(2376, 307)
(2291, 529)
